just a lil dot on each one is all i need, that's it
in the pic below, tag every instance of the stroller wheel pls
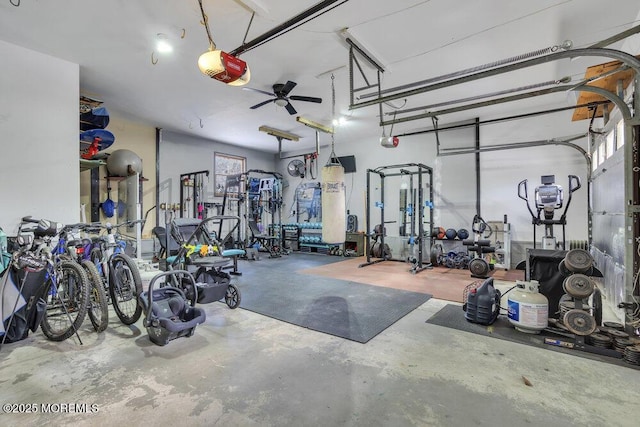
(232, 297)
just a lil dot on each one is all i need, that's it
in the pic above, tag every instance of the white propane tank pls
(528, 309)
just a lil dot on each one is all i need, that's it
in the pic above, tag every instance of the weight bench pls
(264, 240)
(479, 246)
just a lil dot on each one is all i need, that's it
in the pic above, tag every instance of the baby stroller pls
(203, 255)
(169, 314)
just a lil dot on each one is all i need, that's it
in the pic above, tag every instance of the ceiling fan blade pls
(261, 104)
(290, 108)
(288, 87)
(258, 90)
(306, 98)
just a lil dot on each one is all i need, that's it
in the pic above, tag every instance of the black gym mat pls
(345, 309)
(452, 316)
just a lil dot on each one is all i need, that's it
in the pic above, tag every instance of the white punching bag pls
(334, 222)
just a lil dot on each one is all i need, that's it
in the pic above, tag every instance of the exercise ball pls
(463, 233)
(124, 163)
(451, 233)
(440, 233)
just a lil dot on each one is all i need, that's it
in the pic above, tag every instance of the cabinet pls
(291, 237)
(355, 242)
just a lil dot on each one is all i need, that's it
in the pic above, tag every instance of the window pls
(610, 143)
(619, 134)
(601, 153)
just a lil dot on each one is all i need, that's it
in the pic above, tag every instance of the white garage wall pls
(39, 172)
(454, 176)
(503, 170)
(180, 154)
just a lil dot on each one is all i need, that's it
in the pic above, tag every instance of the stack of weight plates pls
(599, 340)
(632, 354)
(620, 344)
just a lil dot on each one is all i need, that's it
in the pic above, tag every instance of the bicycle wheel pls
(125, 285)
(67, 296)
(98, 310)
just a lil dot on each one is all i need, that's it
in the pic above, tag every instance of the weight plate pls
(436, 252)
(605, 330)
(596, 337)
(613, 325)
(563, 269)
(614, 333)
(596, 303)
(565, 306)
(578, 260)
(599, 340)
(479, 267)
(386, 252)
(375, 250)
(579, 322)
(578, 286)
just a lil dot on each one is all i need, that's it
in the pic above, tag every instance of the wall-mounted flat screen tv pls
(348, 163)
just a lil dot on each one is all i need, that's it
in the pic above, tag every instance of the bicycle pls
(64, 287)
(118, 272)
(79, 250)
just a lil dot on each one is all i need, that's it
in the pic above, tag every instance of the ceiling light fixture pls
(340, 121)
(220, 65)
(162, 44)
(279, 133)
(280, 102)
(314, 125)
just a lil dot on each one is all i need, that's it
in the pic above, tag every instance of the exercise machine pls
(192, 195)
(549, 197)
(414, 206)
(479, 246)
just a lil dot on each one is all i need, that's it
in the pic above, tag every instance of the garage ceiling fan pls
(280, 96)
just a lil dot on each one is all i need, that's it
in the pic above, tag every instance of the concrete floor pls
(244, 369)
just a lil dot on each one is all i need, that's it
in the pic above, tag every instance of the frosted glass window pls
(620, 134)
(601, 153)
(611, 143)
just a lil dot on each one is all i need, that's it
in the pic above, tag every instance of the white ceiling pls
(113, 42)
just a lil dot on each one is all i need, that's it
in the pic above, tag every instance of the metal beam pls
(627, 59)
(285, 26)
(502, 119)
(619, 102)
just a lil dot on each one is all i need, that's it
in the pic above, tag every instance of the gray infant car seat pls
(168, 313)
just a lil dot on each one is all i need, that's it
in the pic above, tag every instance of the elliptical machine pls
(549, 197)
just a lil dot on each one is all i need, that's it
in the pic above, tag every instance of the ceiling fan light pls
(226, 68)
(281, 102)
